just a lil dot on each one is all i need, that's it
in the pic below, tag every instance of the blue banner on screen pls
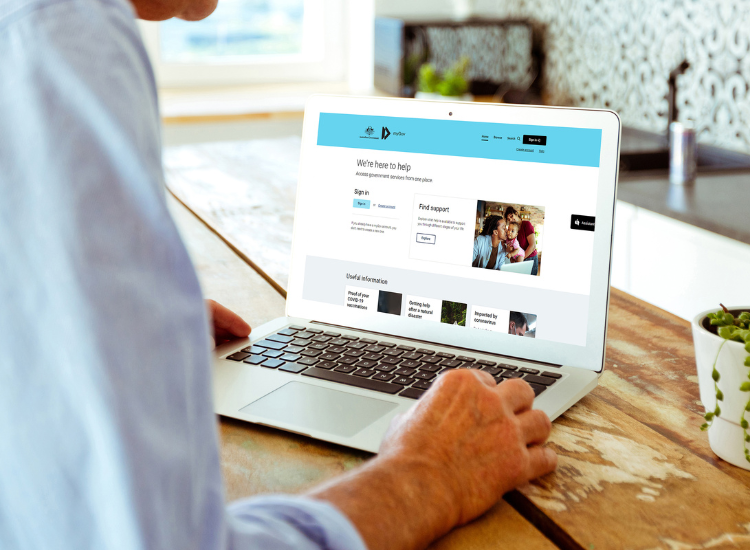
(487, 140)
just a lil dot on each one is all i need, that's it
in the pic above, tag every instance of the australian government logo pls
(384, 133)
(369, 133)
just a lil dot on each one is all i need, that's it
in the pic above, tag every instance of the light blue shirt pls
(107, 432)
(483, 251)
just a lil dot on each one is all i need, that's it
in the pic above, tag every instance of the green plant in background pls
(451, 83)
(737, 329)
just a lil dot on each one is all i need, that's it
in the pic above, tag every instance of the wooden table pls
(634, 469)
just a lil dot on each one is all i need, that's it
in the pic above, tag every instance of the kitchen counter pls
(716, 202)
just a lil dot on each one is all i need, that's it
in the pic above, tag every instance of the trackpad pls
(309, 407)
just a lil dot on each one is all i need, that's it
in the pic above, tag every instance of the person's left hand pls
(227, 325)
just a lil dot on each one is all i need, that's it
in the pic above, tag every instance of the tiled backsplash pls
(618, 54)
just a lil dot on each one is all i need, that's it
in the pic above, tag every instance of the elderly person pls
(489, 252)
(108, 434)
(526, 238)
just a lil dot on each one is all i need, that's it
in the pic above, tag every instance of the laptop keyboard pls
(378, 365)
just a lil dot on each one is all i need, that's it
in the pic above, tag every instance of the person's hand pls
(226, 324)
(478, 439)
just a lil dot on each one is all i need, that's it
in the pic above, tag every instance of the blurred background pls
(245, 73)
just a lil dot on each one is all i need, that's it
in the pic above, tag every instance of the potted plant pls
(722, 354)
(452, 84)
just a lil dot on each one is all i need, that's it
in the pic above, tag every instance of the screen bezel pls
(590, 356)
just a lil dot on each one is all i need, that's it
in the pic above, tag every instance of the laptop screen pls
(480, 226)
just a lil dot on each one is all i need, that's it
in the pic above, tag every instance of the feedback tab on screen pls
(487, 318)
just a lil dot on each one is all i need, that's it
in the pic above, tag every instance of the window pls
(253, 41)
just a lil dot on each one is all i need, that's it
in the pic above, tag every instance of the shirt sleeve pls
(286, 523)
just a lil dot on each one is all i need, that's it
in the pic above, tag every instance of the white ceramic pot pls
(725, 435)
(438, 97)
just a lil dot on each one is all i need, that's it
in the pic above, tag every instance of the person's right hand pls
(476, 439)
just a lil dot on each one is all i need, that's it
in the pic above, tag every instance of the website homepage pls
(483, 226)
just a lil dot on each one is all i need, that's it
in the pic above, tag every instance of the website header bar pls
(487, 140)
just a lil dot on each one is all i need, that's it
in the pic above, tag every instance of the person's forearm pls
(394, 503)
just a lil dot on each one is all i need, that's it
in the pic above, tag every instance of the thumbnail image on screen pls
(453, 313)
(508, 237)
(522, 324)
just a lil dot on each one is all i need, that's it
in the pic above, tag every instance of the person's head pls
(513, 228)
(159, 10)
(511, 215)
(518, 324)
(493, 225)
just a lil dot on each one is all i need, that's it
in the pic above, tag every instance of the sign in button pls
(425, 238)
(535, 140)
(360, 203)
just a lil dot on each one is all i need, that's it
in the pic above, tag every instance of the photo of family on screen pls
(508, 237)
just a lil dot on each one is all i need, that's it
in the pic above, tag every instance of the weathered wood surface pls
(635, 471)
(259, 460)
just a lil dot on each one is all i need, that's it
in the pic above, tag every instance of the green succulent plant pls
(451, 83)
(736, 329)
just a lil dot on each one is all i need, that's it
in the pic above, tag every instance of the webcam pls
(450, 113)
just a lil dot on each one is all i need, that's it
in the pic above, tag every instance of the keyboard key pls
(354, 353)
(393, 352)
(411, 393)
(402, 380)
(310, 352)
(290, 357)
(326, 365)
(429, 368)
(507, 366)
(445, 355)
(332, 334)
(366, 383)
(494, 371)
(528, 370)
(465, 359)
(274, 353)
(511, 374)
(314, 330)
(292, 367)
(385, 376)
(406, 348)
(422, 385)
(238, 356)
(355, 345)
(424, 375)
(254, 350)
(374, 349)
(308, 361)
(537, 389)
(366, 364)
(350, 338)
(368, 340)
(391, 361)
(424, 351)
(486, 363)
(255, 359)
(288, 332)
(293, 349)
(336, 349)
(365, 372)
(387, 344)
(306, 335)
(270, 345)
(330, 356)
(403, 371)
(345, 368)
(296, 327)
(280, 338)
(555, 375)
(410, 364)
(322, 339)
(304, 342)
(541, 380)
(339, 342)
(373, 356)
(346, 360)
(385, 368)
(273, 364)
(317, 346)
(432, 360)
(451, 363)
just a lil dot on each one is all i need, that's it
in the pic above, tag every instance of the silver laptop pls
(397, 209)
(520, 267)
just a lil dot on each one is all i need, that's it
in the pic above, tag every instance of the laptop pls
(520, 267)
(396, 204)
